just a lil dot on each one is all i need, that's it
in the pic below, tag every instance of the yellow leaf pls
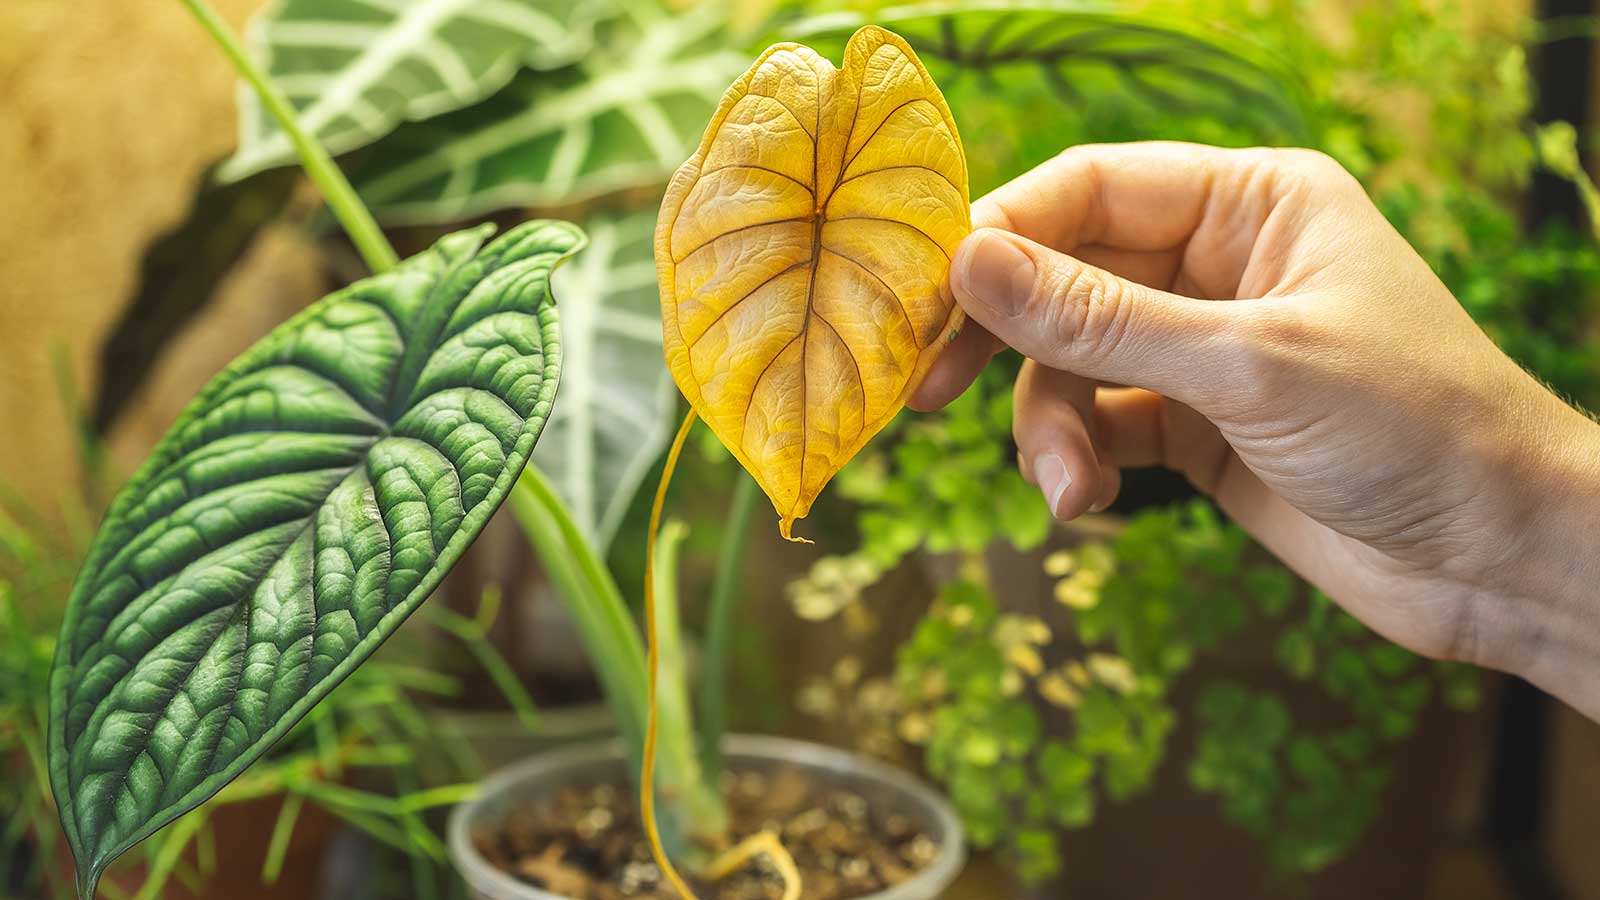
(1081, 589)
(1114, 671)
(804, 254)
(1025, 658)
(915, 729)
(1055, 688)
(1058, 563)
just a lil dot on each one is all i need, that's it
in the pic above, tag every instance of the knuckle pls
(1314, 166)
(1307, 158)
(1089, 311)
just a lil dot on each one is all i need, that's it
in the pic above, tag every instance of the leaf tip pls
(784, 525)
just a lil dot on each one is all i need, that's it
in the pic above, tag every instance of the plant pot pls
(240, 836)
(533, 780)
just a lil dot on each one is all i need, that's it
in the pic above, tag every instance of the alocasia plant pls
(803, 254)
(356, 69)
(303, 505)
(1088, 54)
(617, 402)
(620, 118)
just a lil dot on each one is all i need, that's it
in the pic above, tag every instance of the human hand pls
(1248, 318)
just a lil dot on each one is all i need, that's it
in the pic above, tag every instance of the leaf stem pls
(719, 627)
(342, 199)
(647, 786)
(592, 598)
(695, 805)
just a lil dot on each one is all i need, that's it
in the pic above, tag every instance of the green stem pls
(719, 627)
(347, 207)
(694, 806)
(591, 596)
(611, 636)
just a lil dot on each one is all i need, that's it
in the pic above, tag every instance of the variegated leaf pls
(617, 403)
(356, 69)
(1084, 49)
(625, 117)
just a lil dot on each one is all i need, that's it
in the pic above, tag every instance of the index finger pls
(1207, 202)
(1120, 197)
(1190, 212)
(1148, 195)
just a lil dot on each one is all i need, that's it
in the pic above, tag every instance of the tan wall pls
(108, 112)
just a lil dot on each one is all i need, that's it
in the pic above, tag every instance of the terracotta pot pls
(240, 832)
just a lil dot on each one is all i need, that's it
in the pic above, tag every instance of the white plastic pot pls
(531, 781)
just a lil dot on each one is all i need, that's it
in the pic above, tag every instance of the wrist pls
(1539, 609)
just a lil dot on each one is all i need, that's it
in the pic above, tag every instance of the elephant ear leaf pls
(803, 254)
(303, 505)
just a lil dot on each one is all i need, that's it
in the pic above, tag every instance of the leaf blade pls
(549, 139)
(1166, 61)
(618, 405)
(357, 69)
(803, 256)
(291, 518)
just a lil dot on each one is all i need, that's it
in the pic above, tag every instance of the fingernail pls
(1050, 474)
(992, 269)
(1100, 506)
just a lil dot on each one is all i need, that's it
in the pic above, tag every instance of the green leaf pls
(301, 507)
(356, 69)
(1088, 52)
(625, 117)
(1063, 769)
(617, 399)
(1297, 653)
(1272, 586)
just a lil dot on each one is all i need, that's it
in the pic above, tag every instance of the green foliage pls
(1085, 55)
(697, 808)
(373, 727)
(916, 487)
(366, 441)
(355, 70)
(1176, 590)
(1430, 106)
(628, 111)
(1536, 295)
(1427, 103)
(1557, 146)
(982, 736)
(625, 116)
(1176, 585)
(960, 676)
(25, 651)
(1307, 798)
(618, 404)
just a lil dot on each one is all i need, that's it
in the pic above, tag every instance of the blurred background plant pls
(1041, 703)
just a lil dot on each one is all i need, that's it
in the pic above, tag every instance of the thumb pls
(1069, 315)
